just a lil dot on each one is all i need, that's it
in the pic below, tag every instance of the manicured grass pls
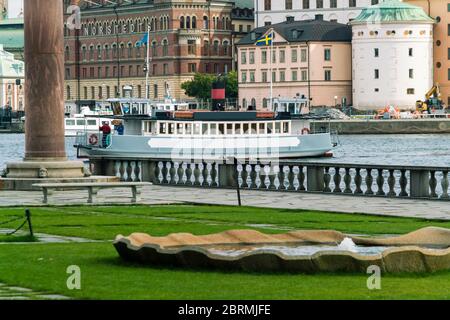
(14, 238)
(105, 276)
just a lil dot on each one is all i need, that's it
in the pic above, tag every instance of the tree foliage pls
(200, 86)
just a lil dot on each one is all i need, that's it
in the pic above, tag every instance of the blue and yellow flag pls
(265, 40)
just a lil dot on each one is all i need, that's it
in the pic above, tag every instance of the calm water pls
(429, 150)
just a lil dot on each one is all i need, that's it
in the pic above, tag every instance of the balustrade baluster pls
(327, 180)
(276, 184)
(302, 177)
(380, 183)
(433, 184)
(444, 184)
(337, 180)
(348, 181)
(391, 183)
(285, 178)
(369, 182)
(159, 173)
(267, 181)
(403, 184)
(358, 181)
(295, 180)
(258, 180)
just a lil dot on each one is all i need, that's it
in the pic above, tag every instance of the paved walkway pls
(288, 200)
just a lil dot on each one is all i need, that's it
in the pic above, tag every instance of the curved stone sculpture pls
(186, 250)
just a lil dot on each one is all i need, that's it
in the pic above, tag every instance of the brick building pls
(186, 37)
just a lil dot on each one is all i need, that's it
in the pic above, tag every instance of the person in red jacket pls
(105, 129)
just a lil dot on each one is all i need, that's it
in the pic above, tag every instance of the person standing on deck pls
(106, 132)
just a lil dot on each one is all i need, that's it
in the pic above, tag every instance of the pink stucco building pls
(310, 58)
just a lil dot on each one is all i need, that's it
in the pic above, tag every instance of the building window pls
(288, 4)
(411, 73)
(448, 53)
(267, 5)
(290, 19)
(327, 75)
(352, 3)
(374, 2)
(274, 56)
(305, 4)
(282, 76)
(244, 77)
(263, 57)
(327, 54)
(243, 57)
(252, 76)
(448, 74)
(319, 4)
(376, 52)
(252, 57)
(410, 52)
(303, 55)
(274, 76)
(410, 91)
(294, 55)
(191, 47)
(264, 76)
(294, 75)
(448, 29)
(192, 67)
(165, 48)
(165, 69)
(155, 91)
(376, 74)
(282, 56)
(304, 75)
(333, 3)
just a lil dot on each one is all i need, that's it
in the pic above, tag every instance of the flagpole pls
(271, 69)
(147, 62)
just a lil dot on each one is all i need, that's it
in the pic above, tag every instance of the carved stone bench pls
(92, 188)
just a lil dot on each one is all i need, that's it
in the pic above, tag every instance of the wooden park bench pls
(93, 188)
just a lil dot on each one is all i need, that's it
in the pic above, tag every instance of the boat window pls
(213, 128)
(70, 122)
(171, 128)
(188, 128)
(81, 122)
(277, 127)
(285, 127)
(179, 128)
(162, 128)
(205, 128)
(126, 108)
(197, 128)
(262, 128)
(270, 128)
(91, 122)
(237, 128)
(135, 108)
(254, 128)
(229, 128)
(221, 128)
(245, 127)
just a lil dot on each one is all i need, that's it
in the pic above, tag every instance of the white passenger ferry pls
(204, 135)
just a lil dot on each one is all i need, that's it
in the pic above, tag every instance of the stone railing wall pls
(332, 178)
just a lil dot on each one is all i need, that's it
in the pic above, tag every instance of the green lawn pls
(104, 276)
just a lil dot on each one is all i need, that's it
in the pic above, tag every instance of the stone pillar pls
(44, 85)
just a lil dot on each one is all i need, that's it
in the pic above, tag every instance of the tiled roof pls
(302, 31)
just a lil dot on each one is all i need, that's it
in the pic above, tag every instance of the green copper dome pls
(392, 11)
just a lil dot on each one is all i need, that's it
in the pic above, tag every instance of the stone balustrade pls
(289, 176)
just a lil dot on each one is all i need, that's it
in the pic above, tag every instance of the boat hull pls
(211, 148)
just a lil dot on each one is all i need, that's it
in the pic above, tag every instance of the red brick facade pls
(186, 37)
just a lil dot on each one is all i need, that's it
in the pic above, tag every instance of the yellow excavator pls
(432, 103)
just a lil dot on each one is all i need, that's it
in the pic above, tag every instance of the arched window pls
(91, 52)
(165, 45)
(84, 52)
(130, 50)
(216, 47)
(114, 50)
(226, 48)
(244, 103)
(194, 22)
(106, 51)
(182, 23)
(138, 49)
(265, 103)
(205, 22)
(68, 95)
(67, 53)
(122, 50)
(223, 23)
(188, 22)
(99, 52)
(254, 103)
(154, 49)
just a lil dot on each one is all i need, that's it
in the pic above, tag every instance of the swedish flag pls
(265, 40)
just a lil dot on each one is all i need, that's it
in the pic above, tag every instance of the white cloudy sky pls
(14, 7)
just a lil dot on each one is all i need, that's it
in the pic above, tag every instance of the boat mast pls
(147, 63)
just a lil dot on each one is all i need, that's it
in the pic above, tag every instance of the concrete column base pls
(22, 175)
(46, 169)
